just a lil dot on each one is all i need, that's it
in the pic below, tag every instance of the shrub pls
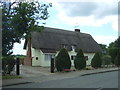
(117, 59)
(113, 53)
(80, 61)
(96, 61)
(63, 60)
(8, 64)
(106, 60)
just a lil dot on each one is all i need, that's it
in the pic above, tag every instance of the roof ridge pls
(64, 30)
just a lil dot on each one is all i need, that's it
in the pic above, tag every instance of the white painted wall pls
(90, 56)
(42, 62)
(36, 53)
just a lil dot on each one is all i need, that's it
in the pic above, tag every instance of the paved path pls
(40, 74)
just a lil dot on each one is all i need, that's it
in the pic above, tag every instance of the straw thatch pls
(51, 40)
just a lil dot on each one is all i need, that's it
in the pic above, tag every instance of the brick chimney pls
(77, 30)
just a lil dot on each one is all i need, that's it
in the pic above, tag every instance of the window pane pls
(72, 57)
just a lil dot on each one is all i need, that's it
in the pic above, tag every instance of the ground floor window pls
(73, 57)
(86, 58)
(49, 56)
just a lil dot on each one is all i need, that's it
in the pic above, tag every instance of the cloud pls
(97, 9)
(100, 39)
(74, 9)
(88, 13)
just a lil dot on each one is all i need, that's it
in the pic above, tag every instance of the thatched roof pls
(51, 39)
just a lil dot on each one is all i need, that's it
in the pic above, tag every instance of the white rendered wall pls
(42, 62)
(36, 53)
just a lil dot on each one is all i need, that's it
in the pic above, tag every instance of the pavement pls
(41, 74)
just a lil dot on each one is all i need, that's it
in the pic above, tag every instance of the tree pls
(117, 59)
(117, 42)
(106, 60)
(113, 53)
(80, 61)
(62, 61)
(19, 20)
(8, 33)
(104, 48)
(111, 45)
(96, 61)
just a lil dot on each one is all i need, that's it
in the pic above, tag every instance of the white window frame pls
(73, 47)
(48, 56)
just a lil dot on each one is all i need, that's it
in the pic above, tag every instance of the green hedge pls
(96, 61)
(80, 61)
(8, 64)
(63, 61)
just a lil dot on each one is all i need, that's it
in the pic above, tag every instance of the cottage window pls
(72, 57)
(86, 58)
(36, 58)
(73, 47)
(48, 57)
(64, 45)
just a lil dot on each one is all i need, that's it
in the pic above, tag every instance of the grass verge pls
(11, 77)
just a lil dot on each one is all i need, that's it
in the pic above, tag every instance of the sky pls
(98, 18)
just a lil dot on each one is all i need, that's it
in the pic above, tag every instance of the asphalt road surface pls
(101, 80)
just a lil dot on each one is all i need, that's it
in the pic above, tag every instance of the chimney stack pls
(77, 30)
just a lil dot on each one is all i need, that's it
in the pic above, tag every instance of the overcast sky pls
(96, 17)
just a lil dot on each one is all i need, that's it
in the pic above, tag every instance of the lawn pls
(11, 77)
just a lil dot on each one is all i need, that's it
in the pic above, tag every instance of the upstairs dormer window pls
(73, 47)
(64, 46)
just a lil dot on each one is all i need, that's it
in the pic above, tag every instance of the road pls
(101, 80)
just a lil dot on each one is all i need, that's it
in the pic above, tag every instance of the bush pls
(117, 59)
(96, 61)
(80, 61)
(8, 64)
(113, 53)
(63, 60)
(106, 60)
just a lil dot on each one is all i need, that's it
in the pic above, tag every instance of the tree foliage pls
(113, 53)
(96, 61)
(117, 42)
(8, 64)
(19, 19)
(104, 48)
(8, 33)
(117, 59)
(63, 61)
(106, 59)
(80, 61)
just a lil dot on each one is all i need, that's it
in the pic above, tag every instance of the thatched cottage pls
(48, 42)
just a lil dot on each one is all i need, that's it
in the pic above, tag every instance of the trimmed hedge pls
(80, 62)
(8, 64)
(96, 61)
(63, 61)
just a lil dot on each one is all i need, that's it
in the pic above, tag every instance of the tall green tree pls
(80, 61)
(104, 48)
(96, 61)
(63, 60)
(19, 19)
(117, 42)
(8, 34)
(117, 59)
